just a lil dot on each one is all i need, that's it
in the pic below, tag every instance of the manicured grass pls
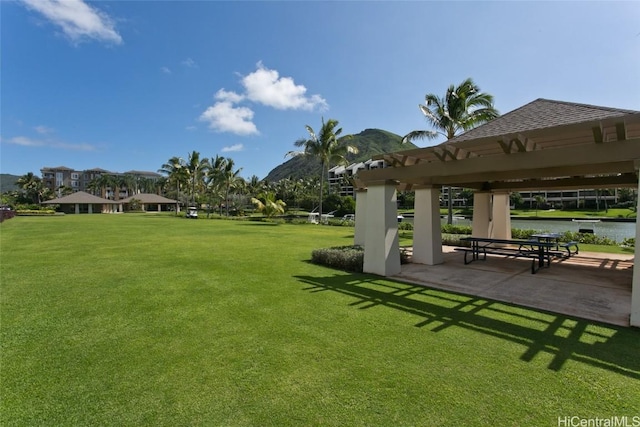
(156, 320)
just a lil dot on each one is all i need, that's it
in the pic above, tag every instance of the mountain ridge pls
(369, 143)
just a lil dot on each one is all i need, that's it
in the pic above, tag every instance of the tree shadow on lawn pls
(565, 338)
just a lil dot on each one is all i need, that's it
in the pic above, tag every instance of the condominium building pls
(340, 177)
(79, 180)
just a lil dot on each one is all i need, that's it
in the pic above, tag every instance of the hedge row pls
(347, 258)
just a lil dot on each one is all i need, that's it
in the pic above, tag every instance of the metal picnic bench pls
(540, 251)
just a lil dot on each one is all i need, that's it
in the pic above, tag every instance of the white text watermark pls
(612, 421)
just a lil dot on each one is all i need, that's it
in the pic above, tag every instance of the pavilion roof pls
(541, 140)
(149, 198)
(80, 197)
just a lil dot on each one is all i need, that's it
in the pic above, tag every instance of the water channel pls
(614, 230)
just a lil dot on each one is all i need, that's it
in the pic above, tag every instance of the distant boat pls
(587, 226)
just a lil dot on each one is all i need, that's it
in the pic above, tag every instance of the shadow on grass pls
(564, 338)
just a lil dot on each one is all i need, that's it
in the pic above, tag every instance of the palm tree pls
(214, 180)
(131, 183)
(94, 186)
(176, 172)
(196, 169)
(255, 185)
(230, 179)
(269, 206)
(462, 108)
(325, 147)
(32, 186)
(102, 182)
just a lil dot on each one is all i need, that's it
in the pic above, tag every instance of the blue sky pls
(125, 85)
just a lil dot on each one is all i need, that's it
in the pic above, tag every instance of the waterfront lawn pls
(156, 320)
(585, 214)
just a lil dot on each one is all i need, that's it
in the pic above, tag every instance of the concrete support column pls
(500, 225)
(159, 207)
(90, 209)
(635, 287)
(381, 248)
(427, 234)
(481, 214)
(361, 218)
(77, 208)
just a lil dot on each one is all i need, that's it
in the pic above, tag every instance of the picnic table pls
(539, 251)
(571, 248)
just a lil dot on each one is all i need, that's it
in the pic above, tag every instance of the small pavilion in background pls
(542, 145)
(82, 202)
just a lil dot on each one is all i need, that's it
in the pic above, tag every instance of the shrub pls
(629, 242)
(456, 229)
(405, 226)
(348, 258)
(453, 240)
(34, 212)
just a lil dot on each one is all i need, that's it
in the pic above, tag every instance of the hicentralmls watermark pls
(613, 421)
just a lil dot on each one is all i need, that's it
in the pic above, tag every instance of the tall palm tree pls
(214, 181)
(196, 169)
(230, 179)
(462, 108)
(176, 172)
(326, 147)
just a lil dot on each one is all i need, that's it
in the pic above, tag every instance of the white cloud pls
(224, 117)
(77, 20)
(266, 87)
(223, 95)
(29, 142)
(190, 63)
(165, 70)
(43, 130)
(235, 147)
(25, 142)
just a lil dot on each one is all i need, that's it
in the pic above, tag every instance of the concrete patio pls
(592, 286)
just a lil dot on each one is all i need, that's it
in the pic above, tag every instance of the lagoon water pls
(617, 231)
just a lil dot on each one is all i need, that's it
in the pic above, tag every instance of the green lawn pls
(552, 213)
(130, 320)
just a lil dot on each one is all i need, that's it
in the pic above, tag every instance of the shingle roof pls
(148, 198)
(136, 172)
(540, 114)
(80, 197)
(59, 168)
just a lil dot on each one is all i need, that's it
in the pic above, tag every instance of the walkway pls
(592, 286)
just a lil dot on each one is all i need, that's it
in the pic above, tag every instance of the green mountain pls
(369, 142)
(8, 182)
